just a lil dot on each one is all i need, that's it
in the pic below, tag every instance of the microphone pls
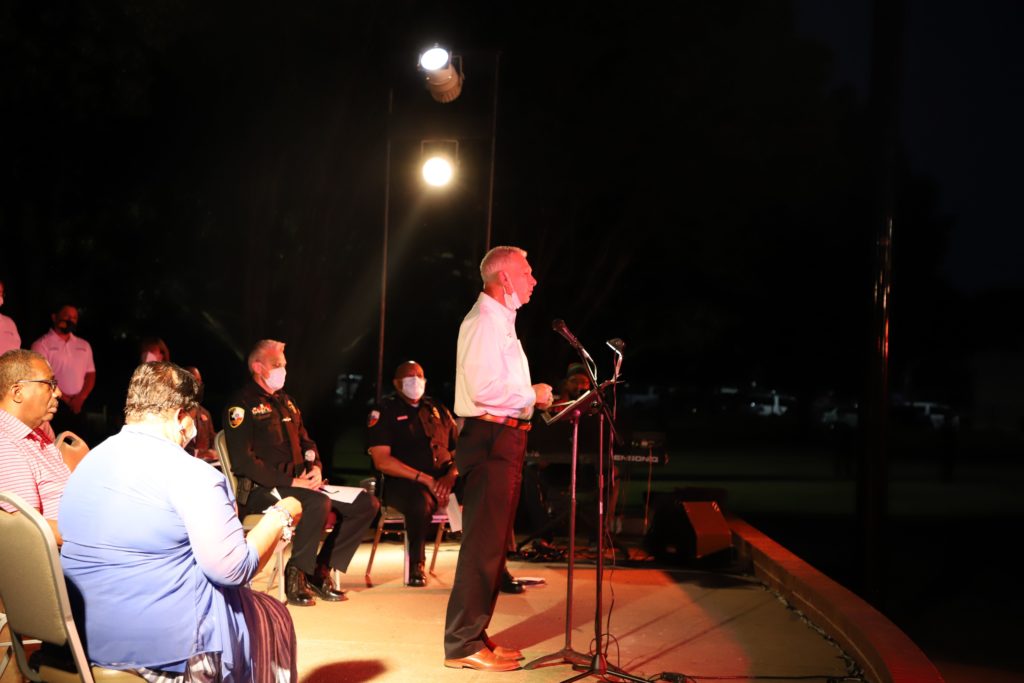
(560, 327)
(616, 345)
(310, 457)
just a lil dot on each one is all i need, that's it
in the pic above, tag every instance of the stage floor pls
(686, 622)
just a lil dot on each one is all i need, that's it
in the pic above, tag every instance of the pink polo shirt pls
(31, 466)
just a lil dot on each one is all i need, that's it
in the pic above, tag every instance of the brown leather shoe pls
(503, 652)
(483, 660)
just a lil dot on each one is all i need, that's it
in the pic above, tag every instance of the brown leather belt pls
(507, 421)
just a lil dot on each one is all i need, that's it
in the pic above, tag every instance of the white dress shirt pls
(492, 374)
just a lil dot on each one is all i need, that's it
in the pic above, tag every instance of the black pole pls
(384, 249)
(494, 136)
(883, 117)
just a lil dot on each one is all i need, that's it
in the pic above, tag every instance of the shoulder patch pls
(236, 414)
(373, 418)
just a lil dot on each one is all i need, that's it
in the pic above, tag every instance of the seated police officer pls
(272, 452)
(412, 442)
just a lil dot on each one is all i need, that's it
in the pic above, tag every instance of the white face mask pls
(190, 432)
(413, 387)
(275, 380)
(150, 357)
(512, 301)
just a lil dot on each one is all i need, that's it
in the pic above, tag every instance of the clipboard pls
(569, 407)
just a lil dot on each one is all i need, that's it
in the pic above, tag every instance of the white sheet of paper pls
(454, 514)
(342, 494)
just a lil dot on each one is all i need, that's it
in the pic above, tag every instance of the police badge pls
(236, 415)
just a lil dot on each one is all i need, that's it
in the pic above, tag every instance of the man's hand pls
(313, 475)
(443, 487)
(303, 483)
(544, 395)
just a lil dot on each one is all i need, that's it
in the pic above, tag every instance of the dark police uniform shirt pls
(401, 426)
(265, 436)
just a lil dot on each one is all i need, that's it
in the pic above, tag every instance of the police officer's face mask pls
(275, 379)
(413, 387)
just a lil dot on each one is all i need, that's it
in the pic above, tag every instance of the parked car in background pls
(771, 404)
(927, 415)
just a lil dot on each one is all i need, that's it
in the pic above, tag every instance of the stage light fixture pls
(438, 171)
(443, 74)
(440, 160)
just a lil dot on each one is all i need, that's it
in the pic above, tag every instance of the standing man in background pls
(9, 337)
(494, 394)
(70, 357)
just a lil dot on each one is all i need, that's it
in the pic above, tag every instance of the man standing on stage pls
(494, 394)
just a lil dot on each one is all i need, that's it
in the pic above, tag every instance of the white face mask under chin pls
(512, 301)
(275, 380)
(413, 387)
(190, 433)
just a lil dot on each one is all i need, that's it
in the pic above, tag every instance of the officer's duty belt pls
(507, 421)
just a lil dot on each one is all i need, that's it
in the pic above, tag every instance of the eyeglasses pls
(51, 382)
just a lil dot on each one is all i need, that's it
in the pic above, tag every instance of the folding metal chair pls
(391, 517)
(249, 521)
(36, 602)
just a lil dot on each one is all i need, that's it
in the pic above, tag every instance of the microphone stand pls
(568, 655)
(599, 665)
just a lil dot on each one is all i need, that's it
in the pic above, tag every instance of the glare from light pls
(434, 59)
(438, 171)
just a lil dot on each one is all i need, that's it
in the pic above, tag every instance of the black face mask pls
(66, 327)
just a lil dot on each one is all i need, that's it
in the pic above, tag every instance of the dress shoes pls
(483, 660)
(417, 577)
(296, 588)
(321, 584)
(503, 652)
(510, 585)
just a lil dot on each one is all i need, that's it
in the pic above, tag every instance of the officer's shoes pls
(296, 588)
(321, 584)
(417, 576)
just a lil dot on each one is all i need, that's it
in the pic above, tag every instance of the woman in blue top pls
(155, 557)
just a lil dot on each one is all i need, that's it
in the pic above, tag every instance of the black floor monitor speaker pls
(688, 526)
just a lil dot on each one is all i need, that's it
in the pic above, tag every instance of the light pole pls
(384, 247)
(444, 81)
(494, 137)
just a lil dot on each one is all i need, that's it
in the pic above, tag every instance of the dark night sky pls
(963, 100)
(697, 182)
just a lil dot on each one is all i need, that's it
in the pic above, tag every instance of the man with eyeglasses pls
(30, 464)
